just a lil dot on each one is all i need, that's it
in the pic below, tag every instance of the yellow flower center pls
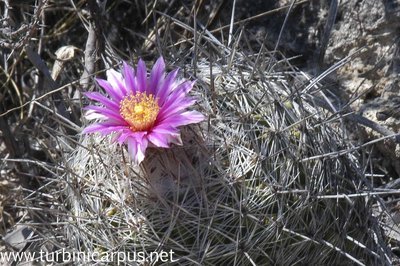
(139, 110)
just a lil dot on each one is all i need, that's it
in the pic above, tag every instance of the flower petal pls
(180, 92)
(91, 115)
(137, 148)
(156, 76)
(132, 148)
(193, 116)
(141, 76)
(115, 79)
(142, 146)
(130, 81)
(128, 133)
(104, 128)
(96, 96)
(164, 129)
(110, 90)
(166, 87)
(123, 136)
(183, 88)
(176, 107)
(172, 99)
(158, 139)
(107, 112)
(186, 118)
(175, 139)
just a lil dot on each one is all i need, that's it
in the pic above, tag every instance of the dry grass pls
(272, 176)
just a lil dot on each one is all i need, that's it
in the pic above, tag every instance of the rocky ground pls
(322, 34)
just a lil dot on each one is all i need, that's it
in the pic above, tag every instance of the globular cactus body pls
(261, 182)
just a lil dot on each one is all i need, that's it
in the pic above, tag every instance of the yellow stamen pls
(139, 110)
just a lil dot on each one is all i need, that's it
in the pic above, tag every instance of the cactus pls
(269, 179)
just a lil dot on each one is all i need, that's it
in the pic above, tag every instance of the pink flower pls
(142, 111)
